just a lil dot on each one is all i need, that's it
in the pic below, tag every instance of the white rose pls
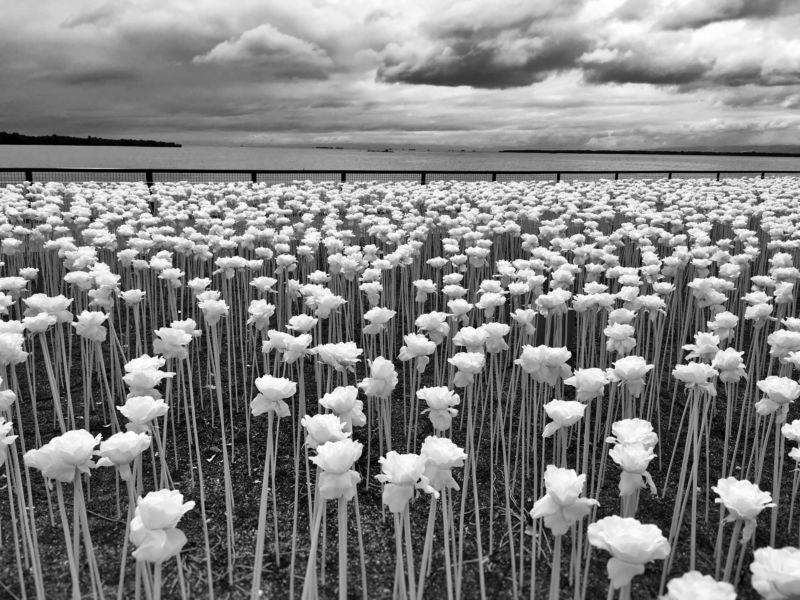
(323, 428)
(776, 573)
(694, 585)
(162, 509)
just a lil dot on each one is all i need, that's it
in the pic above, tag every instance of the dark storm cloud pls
(752, 96)
(93, 76)
(727, 54)
(98, 15)
(636, 68)
(470, 17)
(697, 14)
(654, 42)
(486, 63)
(512, 44)
(505, 47)
(702, 13)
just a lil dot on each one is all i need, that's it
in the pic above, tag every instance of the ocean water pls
(221, 157)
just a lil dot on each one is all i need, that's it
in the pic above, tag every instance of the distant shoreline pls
(19, 139)
(659, 152)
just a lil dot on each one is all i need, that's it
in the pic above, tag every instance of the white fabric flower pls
(7, 398)
(468, 365)
(633, 431)
(6, 439)
(272, 393)
(705, 347)
(791, 431)
(696, 376)
(142, 379)
(39, 323)
(723, 324)
(441, 457)
(633, 459)
(64, 456)
(264, 284)
(620, 338)
(153, 527)
(434, 325)
(213, 310)
(344, 403)
(424, 287)
(562, 505)
(11, 352)
(460, 308)
(776, 573)
(260, 312)
(588, 383)
(121, 449)
(336, 459)
(382, 380)
(744, 501)
(780, 392)
(545, 364)
(495, 332)
(440, 401)
(782, 343)
(162, 509)
(527, 318)
(630, 372)
(377, 317)
(631, 545)
(302, 323)
(172, 342)
(402, 474)
(58, 306)
(473, 338)
(696, 586)
(342, 356)
(553, 303)
(564, 413)
(90, 325)
(141, 411)
(730, 365)
(417, 347)
(323, 428)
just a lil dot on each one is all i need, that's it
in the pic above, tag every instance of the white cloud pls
(265, 46)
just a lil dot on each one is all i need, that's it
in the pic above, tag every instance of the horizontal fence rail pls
(13, 176)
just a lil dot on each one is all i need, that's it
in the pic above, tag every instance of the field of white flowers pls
(363, 390)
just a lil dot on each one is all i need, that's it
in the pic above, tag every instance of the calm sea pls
(220, 157)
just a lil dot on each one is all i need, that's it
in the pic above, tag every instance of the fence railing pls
(11, 176)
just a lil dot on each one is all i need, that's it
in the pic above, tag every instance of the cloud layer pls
(551, 73)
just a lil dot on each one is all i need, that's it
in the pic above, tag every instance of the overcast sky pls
(491, 73)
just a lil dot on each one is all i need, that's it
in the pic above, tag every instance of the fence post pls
(344, 176)
(254, 177)
(29, 175)
(717, 175)
(669, 174)
(616, 175)
(494, 176)
(762, 174)
(558, 176)
(148, 178)
(422, 178)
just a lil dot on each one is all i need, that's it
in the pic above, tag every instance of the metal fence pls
(11, 176)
